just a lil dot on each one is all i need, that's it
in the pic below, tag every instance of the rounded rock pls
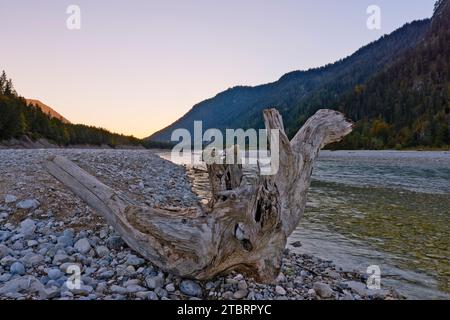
(28, 204)
(191, 288)
(66, 241)
(9, 198)
(27, 227)
(240, 294)
(54, 274)
(102, 251)
(154, 282)
(152, 296)
(69, 233)
(17, 268)
(170, 287)
(323, 290)
(280, 290)
(3, 251)
(82, 246)
(134, 261)
(242, 285)
(115, 243)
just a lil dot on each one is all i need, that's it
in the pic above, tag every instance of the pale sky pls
(136, 66)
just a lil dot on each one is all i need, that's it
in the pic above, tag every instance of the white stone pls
(280, 290)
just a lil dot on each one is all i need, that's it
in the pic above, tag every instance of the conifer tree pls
(3, 81)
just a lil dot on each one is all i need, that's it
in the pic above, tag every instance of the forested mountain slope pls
(19, 119)
(297, 92)
(408, 103)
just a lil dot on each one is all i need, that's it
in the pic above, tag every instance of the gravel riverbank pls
(45, 230)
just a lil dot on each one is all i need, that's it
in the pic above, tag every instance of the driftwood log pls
(246, 227)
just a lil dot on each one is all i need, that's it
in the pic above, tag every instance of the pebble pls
(9, 198)
(60, 258)
(240, 294)
(5, 277)
(135, 288)
(323, 290)
(17, 268)
(82, 246)
(281, 278)
(162, 293)
(115, 243)
(70, 233)
(66, 265)
(130, 270)
(227, 295)
(154, 282)
(231, 281)
(3, 250)
(102, 251)
(103, 233)
(28, 204)
(54, 274)
(17, 246)
(106, 275)
(84, 290)
(142, 295)
(152, 296)
(131, 282)
(65, 241)
(101, 287)
(242, 285)
(190, 288)
(280, 290)
(27, 227)
(35, 259)
(118, 289)
(134, 261)
(7, 261)
(4, 235)
(358, 287)
(32, 243)
(170, 287)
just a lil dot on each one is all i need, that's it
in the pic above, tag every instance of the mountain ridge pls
(290, 89)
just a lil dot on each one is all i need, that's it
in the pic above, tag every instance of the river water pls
(384, 208)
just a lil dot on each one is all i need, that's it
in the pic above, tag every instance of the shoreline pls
(26, 143)
(52, 229)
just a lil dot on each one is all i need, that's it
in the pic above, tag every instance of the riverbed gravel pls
(47, 235)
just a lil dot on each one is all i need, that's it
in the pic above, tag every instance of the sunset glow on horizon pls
(136, 66)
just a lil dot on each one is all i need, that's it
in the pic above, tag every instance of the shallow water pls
(390, 209)
(385, 208)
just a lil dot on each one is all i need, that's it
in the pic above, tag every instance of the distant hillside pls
(299, 93)
(20, 120)
(27, 123)
(46, 109)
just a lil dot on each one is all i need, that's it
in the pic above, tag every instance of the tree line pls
(18, 119)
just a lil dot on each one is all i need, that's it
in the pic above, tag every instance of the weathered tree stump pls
(245, 228)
